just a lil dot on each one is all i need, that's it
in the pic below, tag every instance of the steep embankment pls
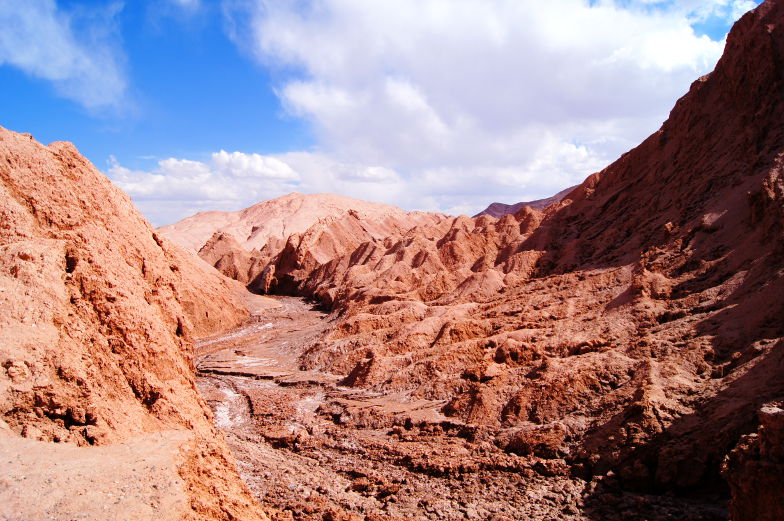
(99, 313)
(636, 326)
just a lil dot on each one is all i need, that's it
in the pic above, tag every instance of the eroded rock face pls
(643, 313)
(755, 469)
(274, 245)
(98, 315)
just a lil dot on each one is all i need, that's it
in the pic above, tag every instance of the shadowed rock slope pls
(98, 315)
(636, 326)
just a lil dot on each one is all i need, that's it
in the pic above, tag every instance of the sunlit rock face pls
(98, 316)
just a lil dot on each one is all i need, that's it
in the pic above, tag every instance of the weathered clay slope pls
(635, 326)
(708, 176)
(322, 244)
(98, 314)
(270, 223)
(274, 243)
(500, 209)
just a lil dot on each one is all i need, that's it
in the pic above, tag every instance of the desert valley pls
(615, 352)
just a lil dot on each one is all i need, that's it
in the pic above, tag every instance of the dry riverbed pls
(311, 449)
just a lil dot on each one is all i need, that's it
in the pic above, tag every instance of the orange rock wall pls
(98, 316)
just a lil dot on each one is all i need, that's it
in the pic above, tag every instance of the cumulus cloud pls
(447, 105)
(480, 100)
(237, 164)
(178, 187)
(436, 83)
(75, 53)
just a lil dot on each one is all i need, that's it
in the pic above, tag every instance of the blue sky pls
(190, 90)
(443, 105)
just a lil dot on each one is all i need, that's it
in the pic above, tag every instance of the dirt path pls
(136, 480)
(310, 448)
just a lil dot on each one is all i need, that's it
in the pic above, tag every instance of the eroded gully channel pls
(309, 448)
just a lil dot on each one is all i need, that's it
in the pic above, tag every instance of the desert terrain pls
(616, 354)
(100, 414)
(311, 447)
(630, 331)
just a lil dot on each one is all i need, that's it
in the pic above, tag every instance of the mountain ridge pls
(274, 220)
(500, 209)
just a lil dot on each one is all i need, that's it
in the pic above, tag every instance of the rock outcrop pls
(755, 470)
(99, 311)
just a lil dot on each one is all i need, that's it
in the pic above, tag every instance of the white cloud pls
(257, 166)
(78, 58)
(447, 105)
(739, 8)
(436, 82)
(694, 10)
(701, 10)
(367, 174)
(470, 101)
(176, 187)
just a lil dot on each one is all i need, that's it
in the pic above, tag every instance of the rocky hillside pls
(99, 311)
(629, 336)
(269, 223)
(314, 228)
(637, 326)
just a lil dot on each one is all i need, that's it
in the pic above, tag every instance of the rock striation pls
(99, 311)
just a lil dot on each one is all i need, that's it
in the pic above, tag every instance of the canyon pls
(632, 329)
(616, 354)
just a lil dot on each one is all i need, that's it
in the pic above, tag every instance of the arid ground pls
(311, 448)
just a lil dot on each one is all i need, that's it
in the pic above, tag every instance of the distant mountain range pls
(500, 209)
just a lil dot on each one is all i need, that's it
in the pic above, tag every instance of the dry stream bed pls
(310, 448)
